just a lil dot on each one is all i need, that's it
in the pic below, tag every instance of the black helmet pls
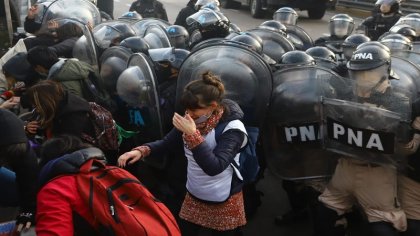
(397, 42)
(296, 58)
(412, 20)
(178, 36)
(351, 42)
(408, 32)
(211, 4)
(273, 26)
(111, 69)
(136, 44)
(286, 15)
(321, 52)
(111, 35)
(249, 42)
(388, 6)
(341, 25)
(375, 44)
(369, 57)
(207, 24)
(131, 16)
(175, 56)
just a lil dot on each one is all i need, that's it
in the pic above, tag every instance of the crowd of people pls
(86, 85)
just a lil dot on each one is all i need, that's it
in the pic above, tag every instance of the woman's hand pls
(184, 124)
(131, 157)
(32, 12)
(32, 127)
(8, 104)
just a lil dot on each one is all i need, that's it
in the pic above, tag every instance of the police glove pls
(24, 221)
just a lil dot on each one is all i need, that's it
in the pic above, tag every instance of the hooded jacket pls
(185, 13)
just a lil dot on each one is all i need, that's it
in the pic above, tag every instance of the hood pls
(72, 69)
(68, 164)
(234, 111)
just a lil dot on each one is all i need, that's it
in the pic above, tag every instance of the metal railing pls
(408, 6)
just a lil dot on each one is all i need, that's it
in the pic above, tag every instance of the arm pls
(54, 214)
(215, 161)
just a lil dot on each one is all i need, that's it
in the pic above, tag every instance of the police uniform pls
(149, 9)
(378, 24)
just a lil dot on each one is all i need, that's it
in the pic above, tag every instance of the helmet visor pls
(341, 28)
(367, 80)
(395, 44)
(287, 18)
(105, 36)
(413, 22)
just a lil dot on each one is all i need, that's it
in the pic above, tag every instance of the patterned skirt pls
(222, 216)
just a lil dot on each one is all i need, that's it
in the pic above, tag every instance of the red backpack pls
(121, 204)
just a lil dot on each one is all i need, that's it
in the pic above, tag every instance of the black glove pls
(25, 221)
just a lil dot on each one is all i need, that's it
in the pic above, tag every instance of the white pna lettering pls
(363, 55)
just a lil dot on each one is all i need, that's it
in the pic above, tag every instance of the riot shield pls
(140, 26)
(412, 56)
(328, 64)
(137, 87)
(85, 48)
(406, 76)
(416, 46)
(298, 36)
(247, 78)
(116, 51)
(274, 44)
(291, 135)
(156, 36)
(364, 131)
(81, 10)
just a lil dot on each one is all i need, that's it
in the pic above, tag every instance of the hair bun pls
(211, 79)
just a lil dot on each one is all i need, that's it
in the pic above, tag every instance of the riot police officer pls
(371, 184)
(286, 15)
(149, 8)
(397, 42)
(383, 19)
(340, 26)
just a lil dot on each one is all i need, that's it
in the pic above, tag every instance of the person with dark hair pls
(149, 9)
(214, 190)
(18, 169)
(67, 35)
(184, 13)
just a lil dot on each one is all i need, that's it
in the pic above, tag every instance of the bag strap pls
(91, 164)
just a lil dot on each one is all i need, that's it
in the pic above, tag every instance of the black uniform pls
(184, 13)
(149, 9)
(377, 24)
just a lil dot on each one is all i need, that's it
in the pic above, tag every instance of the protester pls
(214, 198)
(185, 13)
(149, 9)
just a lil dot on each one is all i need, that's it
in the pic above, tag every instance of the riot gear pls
(175, 56)
(351, 42)
(178, 36)
(111, 35)
(136, 44)
(387, 7)
(130, 16)
(368, 57)
(274, 26)
(206, 24)
(397, 42)
(341, 25)
(286, 15)
(211, 4)
(296, 58)
(375, 44)
(234, 28)
(412, 20)
(408, 32)
(111, 69)
(321, 52)
(250, 42)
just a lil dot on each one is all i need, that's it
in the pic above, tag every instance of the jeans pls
(9, 197)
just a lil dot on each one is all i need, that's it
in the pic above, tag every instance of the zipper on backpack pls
(112, 208)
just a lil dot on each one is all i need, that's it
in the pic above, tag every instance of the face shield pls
(413, 22)
(341, 27)
(385, 5)
(348, 51)
(396, 45)
(287, 18)
(179, 41)
(106, 36)
(367, 81)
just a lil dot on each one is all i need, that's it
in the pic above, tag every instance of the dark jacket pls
(31, 26)
(184, 13)
(72, 117)
(27, 171)
(65, 47)
(377, 25)
(215, 161)
(149, 9)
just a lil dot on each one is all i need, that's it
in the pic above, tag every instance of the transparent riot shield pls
(115, 51)
(416, 46)
(299, 37)
(140, 26)
(137, 87)
(291, 134)
(80, 10)
(407, 76)
(156, 36)
(247, 78)
(328, 64)
(85, 48)
(364, 131)
(274, 44)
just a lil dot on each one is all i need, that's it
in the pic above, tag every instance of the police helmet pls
(178, 36)
(369, 57)
(206, 24)
(175, 56)
(250, 42)
(111, 35)
(341, 25)
(136, 44)
(397, 42)
(408, 32)
(212, 4)
(296, 58)
(375, 44)
(388, 6)
(412, 20)
(111, 69)
(130, 15)
(321, 52)
(273, 26)
(286, 15)
(351, 42)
